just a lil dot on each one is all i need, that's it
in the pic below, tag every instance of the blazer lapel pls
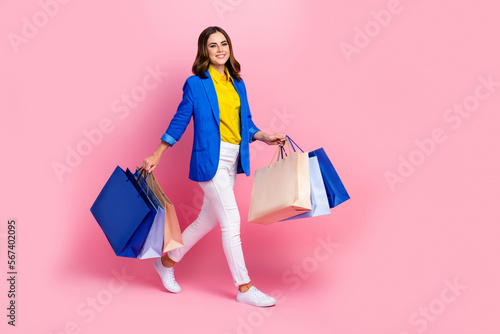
(208, 84)
(237, 86)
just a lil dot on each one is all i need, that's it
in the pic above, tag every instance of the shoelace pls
(259, 294)
(171, 276)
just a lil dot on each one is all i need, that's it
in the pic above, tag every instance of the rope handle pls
(281, 151)
(293, 143)
(140, 170)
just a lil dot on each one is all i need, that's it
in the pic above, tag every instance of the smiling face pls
(218, 50)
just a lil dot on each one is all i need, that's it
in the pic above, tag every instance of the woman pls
(215, 97)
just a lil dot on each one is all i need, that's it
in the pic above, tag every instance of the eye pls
(224, 43)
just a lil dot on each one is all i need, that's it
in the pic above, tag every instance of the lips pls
(220, 56)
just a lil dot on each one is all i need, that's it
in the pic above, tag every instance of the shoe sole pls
(248, 303)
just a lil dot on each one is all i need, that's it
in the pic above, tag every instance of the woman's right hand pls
(150, 163)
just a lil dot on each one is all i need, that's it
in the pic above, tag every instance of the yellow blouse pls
(229, 106)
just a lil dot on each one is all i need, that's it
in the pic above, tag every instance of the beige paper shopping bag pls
(281, 190)
(172, 237)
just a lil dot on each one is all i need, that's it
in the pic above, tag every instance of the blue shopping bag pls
(124, 213)
(334, 187)
(142, 231)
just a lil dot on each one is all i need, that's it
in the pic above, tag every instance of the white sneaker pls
(167, 276)
(255, 297)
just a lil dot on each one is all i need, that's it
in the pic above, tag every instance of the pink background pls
(396, 249)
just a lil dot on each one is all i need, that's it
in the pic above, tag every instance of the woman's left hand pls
(275, 139)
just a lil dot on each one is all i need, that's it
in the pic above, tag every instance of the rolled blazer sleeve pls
(182, 117)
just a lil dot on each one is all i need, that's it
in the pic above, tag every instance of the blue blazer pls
(199, 101)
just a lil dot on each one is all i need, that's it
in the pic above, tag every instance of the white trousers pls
(219, 206)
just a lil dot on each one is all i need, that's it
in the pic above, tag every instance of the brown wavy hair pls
(202, 60)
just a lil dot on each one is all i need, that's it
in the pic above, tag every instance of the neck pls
(219, 68)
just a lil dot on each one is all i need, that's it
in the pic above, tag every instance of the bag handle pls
(282, 152)
(140, 170)
(143, 183)
(292, 142)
